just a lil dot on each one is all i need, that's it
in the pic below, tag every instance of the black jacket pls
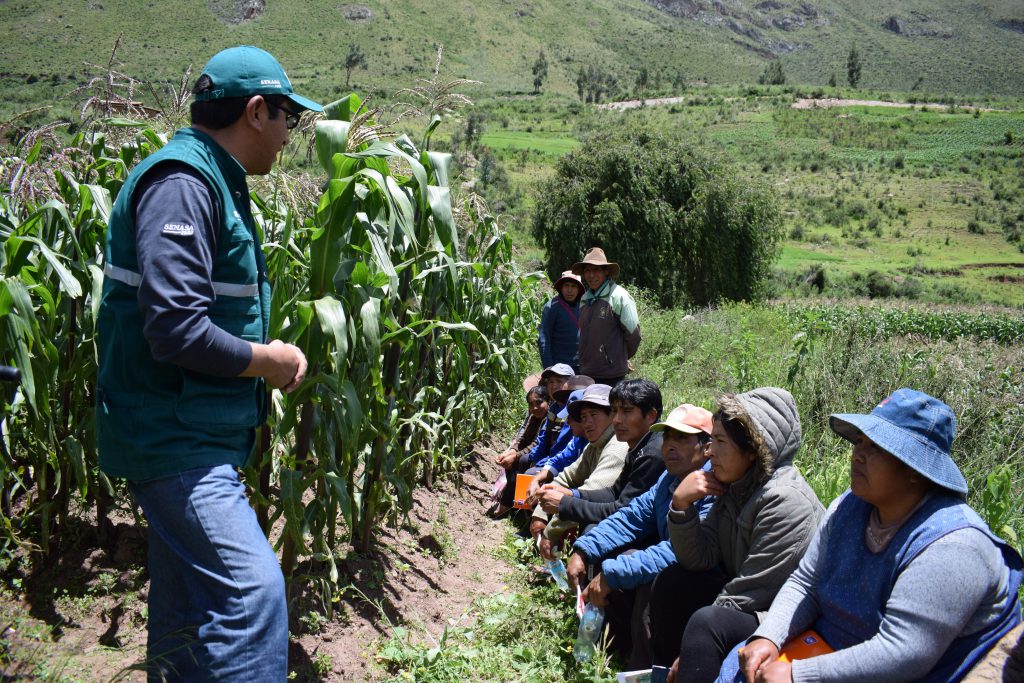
(640, 472)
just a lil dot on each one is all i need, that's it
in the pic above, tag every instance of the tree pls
(540, 72)
(773, 74)
(681, 223)
(853, 66)
(642, 79)
(593, 83)
(353, 60)
(474, 129)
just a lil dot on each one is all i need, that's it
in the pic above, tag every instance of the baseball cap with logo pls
(687, 418)
(246, 70)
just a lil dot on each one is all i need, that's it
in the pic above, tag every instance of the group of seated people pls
(710, 553)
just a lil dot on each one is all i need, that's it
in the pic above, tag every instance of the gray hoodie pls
(758, 531)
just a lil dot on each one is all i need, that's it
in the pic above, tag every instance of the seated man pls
(547, 468)
(598, 467)
(622, 582)
(553, 438)
(636, 405)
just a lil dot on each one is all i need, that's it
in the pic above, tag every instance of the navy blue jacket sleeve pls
(175, 263)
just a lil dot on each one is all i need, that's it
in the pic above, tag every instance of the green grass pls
(523, 633)
(521, 140)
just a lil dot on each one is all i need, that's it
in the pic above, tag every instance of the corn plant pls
(413, 327)
(412, 334)
(51, 280)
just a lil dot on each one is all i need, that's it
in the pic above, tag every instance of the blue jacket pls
(559, 334)
(644, 517)
(548, 443)
(567, 456)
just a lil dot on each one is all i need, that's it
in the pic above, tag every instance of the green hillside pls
(940, 46)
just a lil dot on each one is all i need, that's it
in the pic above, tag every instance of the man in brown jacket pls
(609, 326)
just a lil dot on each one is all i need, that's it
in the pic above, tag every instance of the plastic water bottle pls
(556, 568)
(590, 631)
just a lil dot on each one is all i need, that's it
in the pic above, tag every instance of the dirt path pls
(636, 104)
(426, 575)
(803, 103)
(828, 102)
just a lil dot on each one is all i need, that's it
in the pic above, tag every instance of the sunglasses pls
(291, 118)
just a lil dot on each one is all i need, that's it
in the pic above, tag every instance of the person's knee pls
(701, 626)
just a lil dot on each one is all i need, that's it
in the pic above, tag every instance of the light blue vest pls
(856, 583)
(156, 418)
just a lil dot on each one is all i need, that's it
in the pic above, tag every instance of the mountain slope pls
(938, 45)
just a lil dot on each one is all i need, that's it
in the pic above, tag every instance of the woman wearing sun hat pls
(609, 325)
(903, 580)
(558, 337)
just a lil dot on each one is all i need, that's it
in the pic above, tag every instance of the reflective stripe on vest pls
(133, 279)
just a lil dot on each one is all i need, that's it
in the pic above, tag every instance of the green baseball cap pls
(246, 70)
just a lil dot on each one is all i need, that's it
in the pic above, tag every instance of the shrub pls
(680, 222)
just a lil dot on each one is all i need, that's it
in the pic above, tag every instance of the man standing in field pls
(609, 325)
(184, 366)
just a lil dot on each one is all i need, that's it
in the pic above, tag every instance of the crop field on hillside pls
(922, 203)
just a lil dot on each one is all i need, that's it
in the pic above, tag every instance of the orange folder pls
(804, 646)
(523, 482)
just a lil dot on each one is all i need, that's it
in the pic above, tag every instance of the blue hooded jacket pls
(644, 517)
(558, 337)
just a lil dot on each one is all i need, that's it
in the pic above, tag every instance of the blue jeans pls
(217, 608)
(730, 672)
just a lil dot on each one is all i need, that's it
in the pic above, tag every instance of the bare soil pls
(83, 617)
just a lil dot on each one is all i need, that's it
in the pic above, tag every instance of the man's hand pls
(673, 673)
(282, 365)
(755, 655)
(538, 479)
(506, 459)
(775, 672)
(576, 570)
(547, 549)
(550, 495)
(537, 527)
(598, 591)
(695, 486)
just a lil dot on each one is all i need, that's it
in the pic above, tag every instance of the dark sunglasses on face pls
(291, 118)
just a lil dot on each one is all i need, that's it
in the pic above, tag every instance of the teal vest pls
(155, 418)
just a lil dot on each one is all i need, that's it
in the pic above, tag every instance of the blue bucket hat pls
(915, 428)
(573, 397)
(246, 70)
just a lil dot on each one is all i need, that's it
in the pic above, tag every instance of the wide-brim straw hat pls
(575, 382)
(568, 276)
(913, 427)
(531, 381)
(595, 257)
